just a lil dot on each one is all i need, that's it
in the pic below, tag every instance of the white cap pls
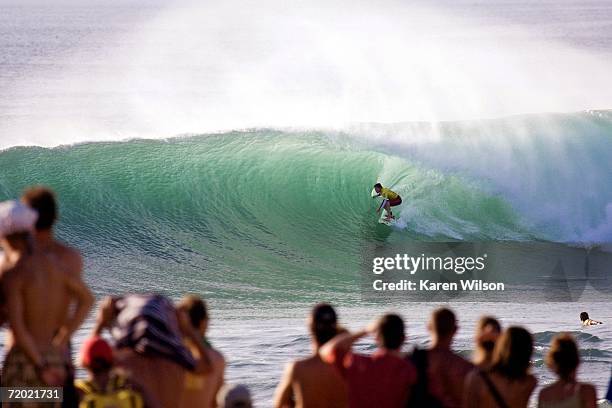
(16, 217)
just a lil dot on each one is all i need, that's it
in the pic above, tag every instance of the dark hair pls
(483, 323)
(100, 365)
(23, 239)
(444, 322)
(584, 316)
(391, 330)
(378, 185)
(563, 357)
(512, 353)
(489, 321)
(323, 323)
(196, 309)
(43, 201)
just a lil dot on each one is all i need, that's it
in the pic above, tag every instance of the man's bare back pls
(316, 384)
(61, 259)
(311, 382)
(68, 261)
(38, 295)
(65, 257)
(447, 373)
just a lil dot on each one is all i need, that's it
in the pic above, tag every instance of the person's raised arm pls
(106, 315)
(203, 364)
(341, 344)
(284, 392)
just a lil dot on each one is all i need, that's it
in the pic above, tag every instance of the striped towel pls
(148, 325)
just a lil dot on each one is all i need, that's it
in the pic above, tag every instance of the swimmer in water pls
(586, 321)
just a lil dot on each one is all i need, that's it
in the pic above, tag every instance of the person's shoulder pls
(393, 360)
(216, 356)
(460, 364)
(301, 365)
(587, 391)
(352, 359)
(309, 360)
(68, 253)
(547, 393)
(291, 368)
(14, 273)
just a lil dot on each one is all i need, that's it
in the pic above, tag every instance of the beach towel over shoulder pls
(148, 325)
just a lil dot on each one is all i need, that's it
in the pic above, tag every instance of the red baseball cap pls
(96, 349)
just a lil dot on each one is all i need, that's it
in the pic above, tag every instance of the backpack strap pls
(493, 390)
(87, 388)
(118, 382)
(85, 385)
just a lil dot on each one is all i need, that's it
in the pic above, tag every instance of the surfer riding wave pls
(390, 199)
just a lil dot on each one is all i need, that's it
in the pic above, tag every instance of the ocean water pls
(233, 157)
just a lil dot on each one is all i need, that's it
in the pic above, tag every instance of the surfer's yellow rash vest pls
(388, 194)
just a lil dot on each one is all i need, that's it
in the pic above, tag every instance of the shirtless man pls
(201, 390)
(43, 201)
(68, 259)
(36, 291)
(447, 370)
(310, 382)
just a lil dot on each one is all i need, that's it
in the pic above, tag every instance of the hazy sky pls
(203, 66)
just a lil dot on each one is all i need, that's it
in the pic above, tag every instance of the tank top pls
(573, 401)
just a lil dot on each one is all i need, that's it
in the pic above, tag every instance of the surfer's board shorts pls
(392, 202)
(18, 371)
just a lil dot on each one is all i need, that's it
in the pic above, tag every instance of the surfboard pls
(383, 218)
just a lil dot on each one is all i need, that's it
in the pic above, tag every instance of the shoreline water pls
(258, 341)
